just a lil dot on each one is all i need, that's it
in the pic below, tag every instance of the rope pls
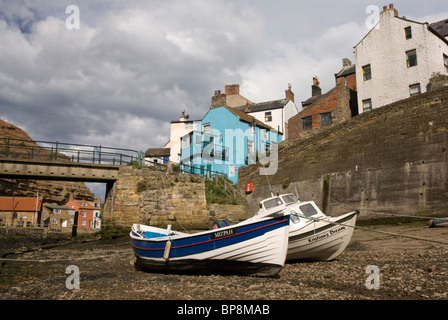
(371, 230)
(401, 215)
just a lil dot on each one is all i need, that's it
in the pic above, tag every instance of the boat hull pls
(321, 240)
(255, 248)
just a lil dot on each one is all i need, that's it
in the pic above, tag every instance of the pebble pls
(406, 272)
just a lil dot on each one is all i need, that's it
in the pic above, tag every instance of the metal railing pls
(68, 152)
(202, 171)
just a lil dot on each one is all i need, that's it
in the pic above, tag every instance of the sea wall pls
(160, 198)
(389, 160)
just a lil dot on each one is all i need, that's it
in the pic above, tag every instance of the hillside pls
(52, 191)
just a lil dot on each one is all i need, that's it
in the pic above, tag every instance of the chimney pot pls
(315, 89)
(289, 94)
(232, 89)
(391, 6)
(384, 8)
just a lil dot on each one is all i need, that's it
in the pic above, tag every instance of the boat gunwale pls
(164, 239)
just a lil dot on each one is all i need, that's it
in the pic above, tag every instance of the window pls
(445, 62)
(54, 221)
(307, 123)
(268, 116)
(414, 89)
(206, 128)
(56, 211)
(190, 139)
(250, 147)
(408, 33)
(266, 134)
(308, 210)
(367, 105)
(325, 119)
(411, 58)
(198, 140)
(189, 126)
(366, 73)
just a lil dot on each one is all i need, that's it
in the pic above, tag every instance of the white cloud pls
(133, 66)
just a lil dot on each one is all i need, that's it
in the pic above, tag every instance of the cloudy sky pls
(133, 65)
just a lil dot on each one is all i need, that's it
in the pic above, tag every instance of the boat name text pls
(325, 235)
(223, 233)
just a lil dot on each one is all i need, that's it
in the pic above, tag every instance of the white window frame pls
(367, 105)
(415, 89)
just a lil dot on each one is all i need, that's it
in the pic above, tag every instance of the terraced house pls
(88, 213)
(396, 59)
(226, 140)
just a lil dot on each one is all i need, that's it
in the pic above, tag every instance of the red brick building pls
(323, 110)
(88, 213)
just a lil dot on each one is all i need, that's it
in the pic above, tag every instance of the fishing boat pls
(438, 222)
(252, 247)
(313, 236)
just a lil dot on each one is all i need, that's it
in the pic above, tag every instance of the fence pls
(202, 170)
(59, 151)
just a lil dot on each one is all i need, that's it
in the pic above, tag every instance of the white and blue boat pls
(313, 236)
(252, 247)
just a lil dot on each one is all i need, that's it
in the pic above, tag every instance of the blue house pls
(226, 140)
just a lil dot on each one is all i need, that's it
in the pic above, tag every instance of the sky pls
(131, 67)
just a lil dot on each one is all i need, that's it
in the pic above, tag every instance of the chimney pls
(218, 100)
(289, 93)
(346, 62)
(232, 89)
(315, 88)
(391, 8)
(184, 117)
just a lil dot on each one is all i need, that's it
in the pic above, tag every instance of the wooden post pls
(75, 226)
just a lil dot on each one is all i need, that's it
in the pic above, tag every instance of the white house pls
(396, 59)
(179, 129)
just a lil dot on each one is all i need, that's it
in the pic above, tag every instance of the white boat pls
(313, 236)
(438, 222)
(252, 247)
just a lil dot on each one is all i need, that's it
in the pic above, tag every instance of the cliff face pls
(52, 191)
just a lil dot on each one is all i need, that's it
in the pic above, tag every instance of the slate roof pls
(312, 100)
(441, 27)
(55, 206)
(262, 106)
(247, 118)
(158, 152)
(347, 71)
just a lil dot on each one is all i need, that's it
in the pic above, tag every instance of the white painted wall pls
(280, 117)
(178, 130)
(384, 48)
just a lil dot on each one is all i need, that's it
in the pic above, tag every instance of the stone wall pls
(158, 199)
(161, 198)
(390, 160)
